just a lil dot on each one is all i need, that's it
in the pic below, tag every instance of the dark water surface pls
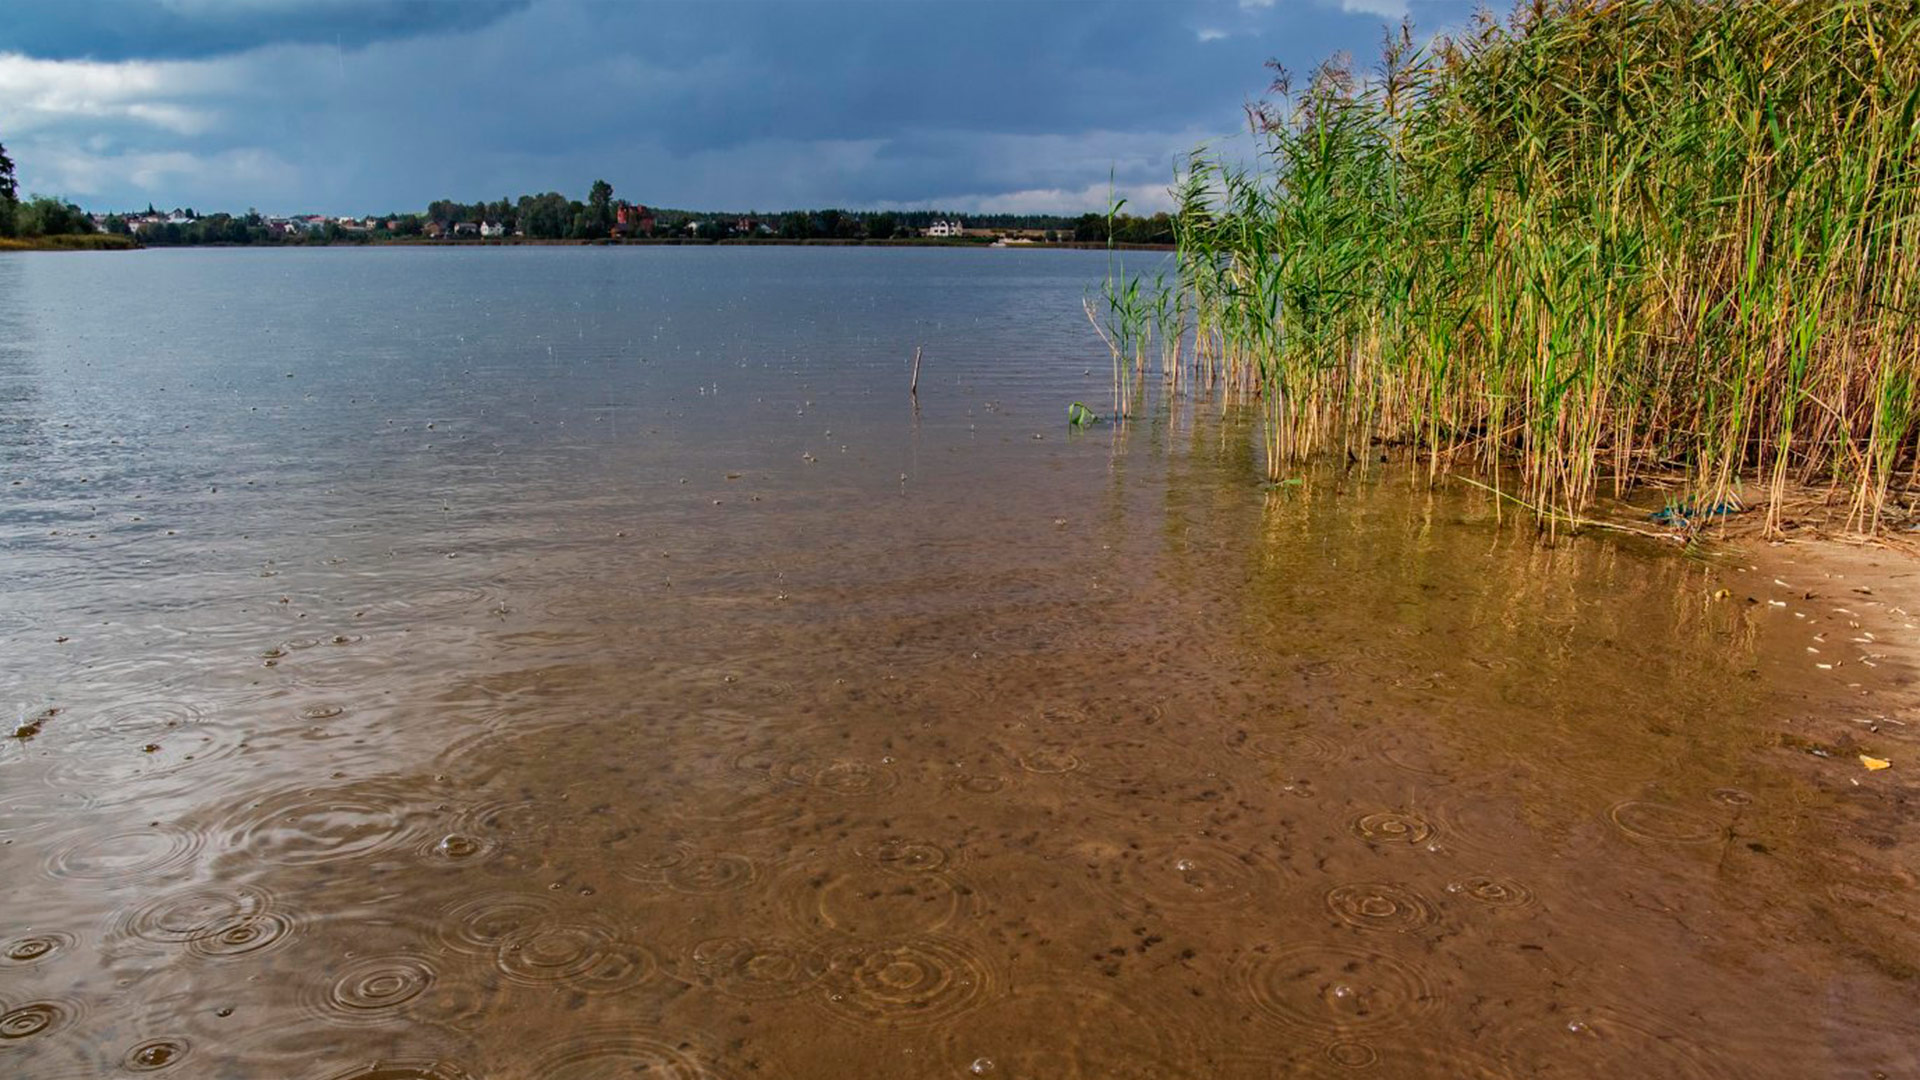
(584, 663)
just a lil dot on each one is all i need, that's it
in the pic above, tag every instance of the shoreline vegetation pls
(69, 242)
(1587, 247)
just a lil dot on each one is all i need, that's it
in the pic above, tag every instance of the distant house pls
(490, 230)
(466, 228)
(946, 228)
(434, 230)
(632, 219)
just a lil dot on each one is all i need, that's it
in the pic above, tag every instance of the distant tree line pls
(1125, 229)
(553, 216)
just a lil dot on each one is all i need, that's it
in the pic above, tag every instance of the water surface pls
(588, 663)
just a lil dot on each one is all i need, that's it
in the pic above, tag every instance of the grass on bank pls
(1592, 242)
(68, 242)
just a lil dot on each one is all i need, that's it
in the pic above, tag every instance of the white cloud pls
(40, 94)
(238, 174)
(1208, 33)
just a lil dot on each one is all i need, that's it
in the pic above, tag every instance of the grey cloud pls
(186, 29)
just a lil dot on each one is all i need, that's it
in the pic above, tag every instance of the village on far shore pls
(626, 223)
(631, 222)
(601, 218)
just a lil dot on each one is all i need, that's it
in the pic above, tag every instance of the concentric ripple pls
(914, 982)
(711, 872)
(480, 924)
(754, 970)
(34, 1020)
(1493, 891)
(978, 783)
(578, 955)
(610, 1053)
(1334, 990)
(155, 1054)
(1291, 747)
(376, 989)
(1352, 1054)
(457, 847)
(521, 820)
(1662, 823)
(856, 895)
(183, 917)
(140, 718)
(128, 854)
(316, 825)
(34, 948)
(1393, 827)
(907, 856)
(243, 935)
(842, 777)
(1380, 906)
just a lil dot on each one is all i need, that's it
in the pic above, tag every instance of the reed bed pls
(1568, 249)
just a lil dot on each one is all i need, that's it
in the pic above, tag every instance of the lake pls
(591, 662)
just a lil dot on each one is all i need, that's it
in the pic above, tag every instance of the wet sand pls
(791, 732)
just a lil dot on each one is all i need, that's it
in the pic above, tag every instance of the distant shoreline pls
(107, 242)
(759, 241)
(113, 242)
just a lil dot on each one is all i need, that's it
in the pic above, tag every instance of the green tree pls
(600, 208)
(9, 194)
(44, 216)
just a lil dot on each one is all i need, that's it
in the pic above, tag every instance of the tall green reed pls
(1593, 241)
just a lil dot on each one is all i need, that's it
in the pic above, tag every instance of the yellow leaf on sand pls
(1875, 764)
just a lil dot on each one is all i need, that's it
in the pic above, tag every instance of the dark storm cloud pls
(743, 104)
(184, 29)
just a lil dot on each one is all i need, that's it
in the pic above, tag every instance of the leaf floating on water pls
(1875, 764)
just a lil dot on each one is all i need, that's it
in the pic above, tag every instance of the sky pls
(372, 106)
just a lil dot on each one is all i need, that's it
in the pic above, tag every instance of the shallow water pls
(587, 663)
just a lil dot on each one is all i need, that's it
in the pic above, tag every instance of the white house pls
(945, 228)
(491, 229)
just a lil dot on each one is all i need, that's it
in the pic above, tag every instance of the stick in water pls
(913, 387)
